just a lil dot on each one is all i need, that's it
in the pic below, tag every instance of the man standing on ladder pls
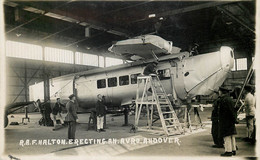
(158, 100)
(150, 69)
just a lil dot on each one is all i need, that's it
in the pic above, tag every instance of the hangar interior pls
(48, 39)
(77, 29)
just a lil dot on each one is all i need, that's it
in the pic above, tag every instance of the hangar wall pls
(21, 73)
(241, 50)
(237, 77)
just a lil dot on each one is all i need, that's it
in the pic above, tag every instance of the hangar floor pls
(197, 143)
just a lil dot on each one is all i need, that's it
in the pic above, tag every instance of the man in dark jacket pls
(227, 120)
(150, 68)
(218, 141)
(71, 116)
(45, 110)
(56, 112)
(100, 112)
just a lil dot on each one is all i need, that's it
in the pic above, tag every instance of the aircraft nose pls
(227, 58)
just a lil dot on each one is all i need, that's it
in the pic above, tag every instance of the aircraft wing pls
(12, 107)
(143, 47)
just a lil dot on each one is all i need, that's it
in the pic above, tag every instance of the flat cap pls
(73, 95)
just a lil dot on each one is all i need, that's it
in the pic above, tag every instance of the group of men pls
(49, 114)
(71, 106)
(224, 118)
(71, 117)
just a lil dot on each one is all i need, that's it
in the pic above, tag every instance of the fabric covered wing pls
(143, 46)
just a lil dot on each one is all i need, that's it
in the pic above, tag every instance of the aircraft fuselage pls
(183, 78)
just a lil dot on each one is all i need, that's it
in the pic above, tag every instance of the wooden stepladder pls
(151, 93)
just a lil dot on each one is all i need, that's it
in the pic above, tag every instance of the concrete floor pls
(195, 144)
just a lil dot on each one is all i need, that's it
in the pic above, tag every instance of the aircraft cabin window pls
(134, 78)
(164, 74)
(101, 83)
(123, 80)
(112, 82)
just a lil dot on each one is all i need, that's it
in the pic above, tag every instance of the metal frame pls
(25, 82)
(228, 13)
(187, 9)
(170, 122)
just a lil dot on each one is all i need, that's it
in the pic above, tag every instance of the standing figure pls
(227, 120)
(47, 113)
(150, 69)
(45, 110)
(250, 112)
(56, 112)
(196, 112)
(100, 112)
(71, 116)
(39, 106)
(218, 141)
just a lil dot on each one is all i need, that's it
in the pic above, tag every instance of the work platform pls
(155, 104)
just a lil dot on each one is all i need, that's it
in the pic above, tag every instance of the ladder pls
(169, 120)
(248, 77)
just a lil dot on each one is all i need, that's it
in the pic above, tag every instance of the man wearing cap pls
(250, 111)
(100, 111)
(227, 120)
(71, 116)
(150, 69)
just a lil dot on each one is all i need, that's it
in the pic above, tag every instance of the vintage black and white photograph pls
(129, 79)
